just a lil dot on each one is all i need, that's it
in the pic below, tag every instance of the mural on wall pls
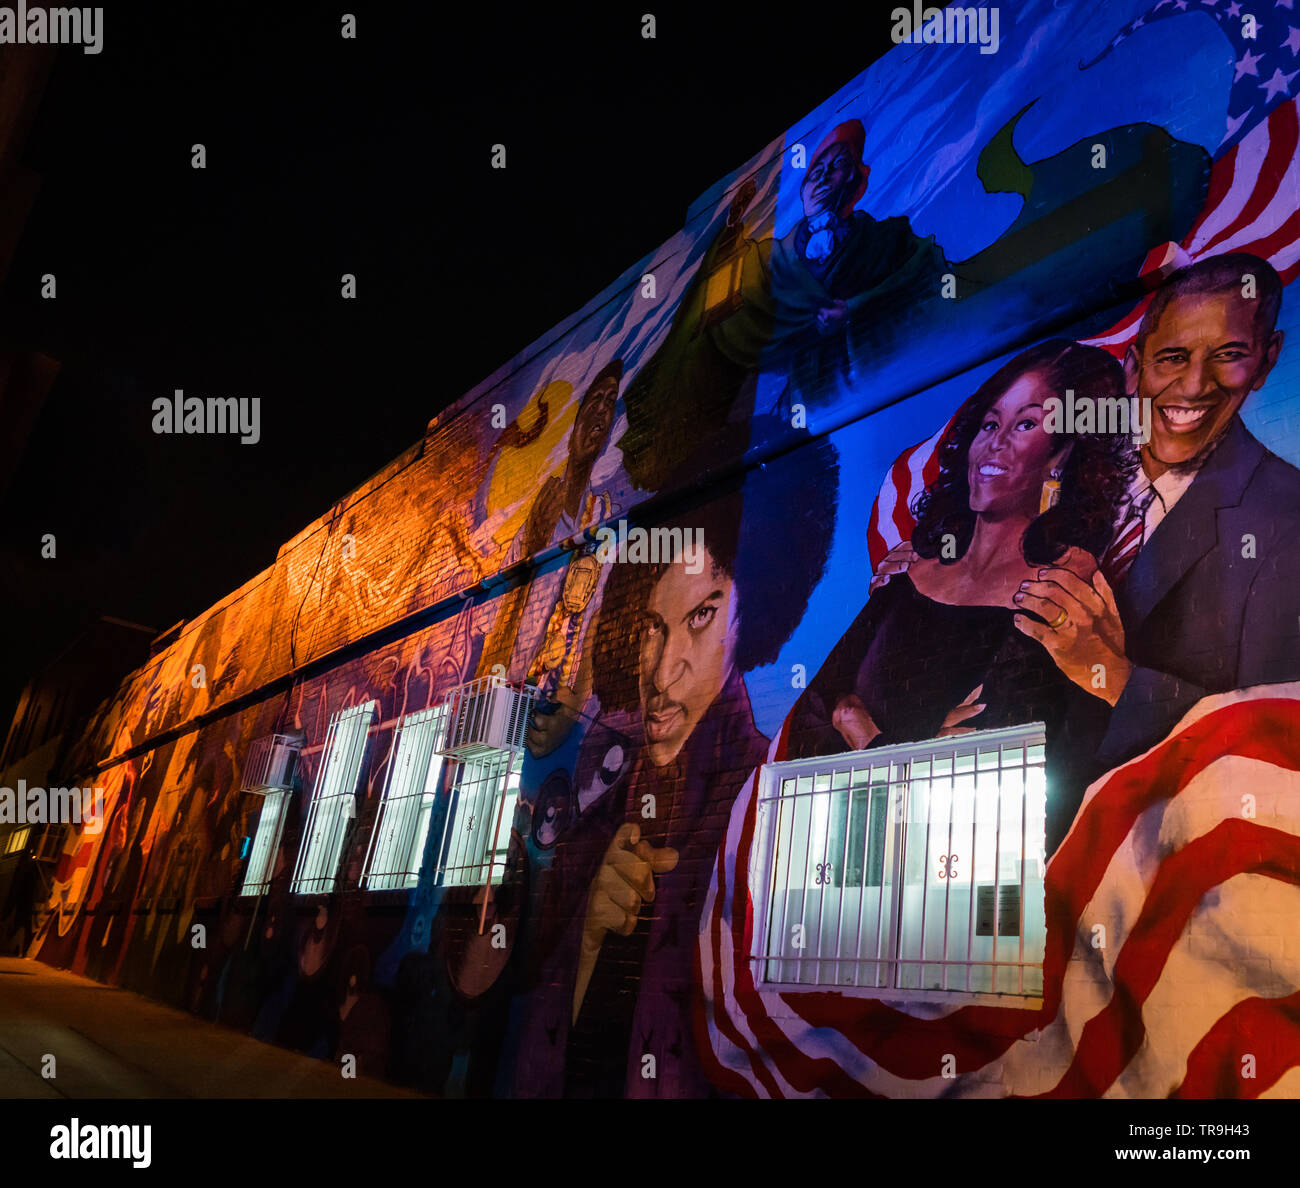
(566, 505)
(790, 304)
(645, 786)
(877, 393)
(1117, 598)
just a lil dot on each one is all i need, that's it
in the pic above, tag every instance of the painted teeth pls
(1184, 416)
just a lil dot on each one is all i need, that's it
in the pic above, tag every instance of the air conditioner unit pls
(270, 763)
(485, 717)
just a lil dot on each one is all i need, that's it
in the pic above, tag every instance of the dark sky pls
(328, 156)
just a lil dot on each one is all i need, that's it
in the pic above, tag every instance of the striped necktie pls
(1123, 549)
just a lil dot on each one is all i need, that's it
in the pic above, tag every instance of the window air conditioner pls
(270, 763)
(485, 717)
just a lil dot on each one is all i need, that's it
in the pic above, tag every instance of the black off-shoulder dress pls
(912, 659)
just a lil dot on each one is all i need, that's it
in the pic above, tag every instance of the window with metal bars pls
(267, 772)
(477, 834)
(333, 800)
(397, 843)
(912, 867)
(266, 841)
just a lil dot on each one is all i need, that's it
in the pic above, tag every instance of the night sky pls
(327, 156)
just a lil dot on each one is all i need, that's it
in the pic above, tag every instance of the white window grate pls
(333, 800)
(914, 867)
(266, 842)
(267, 773)
(397, 843)
(477, 833)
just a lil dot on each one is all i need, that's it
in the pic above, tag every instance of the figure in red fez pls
(810, 304)
(841, 280)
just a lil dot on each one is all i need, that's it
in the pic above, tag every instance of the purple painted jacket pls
(641, 999)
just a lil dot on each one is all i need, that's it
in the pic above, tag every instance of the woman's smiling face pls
(1011, 451)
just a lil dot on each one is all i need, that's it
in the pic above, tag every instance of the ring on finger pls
(1058, 621)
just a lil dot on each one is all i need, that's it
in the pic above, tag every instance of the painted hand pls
(852, 719)
(625, 881)
(475, 968)
(1083, 632)
(831, 318)
(896, 561)
(960, 713)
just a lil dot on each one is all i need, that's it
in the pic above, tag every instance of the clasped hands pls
(1082, 630)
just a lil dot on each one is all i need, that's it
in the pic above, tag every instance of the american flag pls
(1253, 205)
(1189, 858)
(1260, 52)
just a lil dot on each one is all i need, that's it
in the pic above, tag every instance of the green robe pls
(696, 381)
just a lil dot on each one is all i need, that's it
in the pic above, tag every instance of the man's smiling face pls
(1198, 365)
(687, 653)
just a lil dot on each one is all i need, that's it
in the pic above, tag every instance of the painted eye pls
(702, 617)
(989, 427)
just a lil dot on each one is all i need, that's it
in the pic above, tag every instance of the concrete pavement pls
(109, 1043)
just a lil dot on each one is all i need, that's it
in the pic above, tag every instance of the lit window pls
(913, 867)
(17, 840)
(487, 720)
(267, 773)
(266, 841)
(477, 834)
(333, 800)
(400, 833)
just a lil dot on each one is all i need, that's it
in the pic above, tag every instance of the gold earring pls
(1051, 495)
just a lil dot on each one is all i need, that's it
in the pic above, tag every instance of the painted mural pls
(971, 402)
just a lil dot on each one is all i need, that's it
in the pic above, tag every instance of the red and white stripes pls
(1172, 965)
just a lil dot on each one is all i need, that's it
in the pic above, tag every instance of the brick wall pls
(770, 437)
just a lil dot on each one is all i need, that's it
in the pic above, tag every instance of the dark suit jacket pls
(642, 996)
(1212, 602)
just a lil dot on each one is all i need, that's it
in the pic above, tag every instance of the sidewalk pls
(110, 1043)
